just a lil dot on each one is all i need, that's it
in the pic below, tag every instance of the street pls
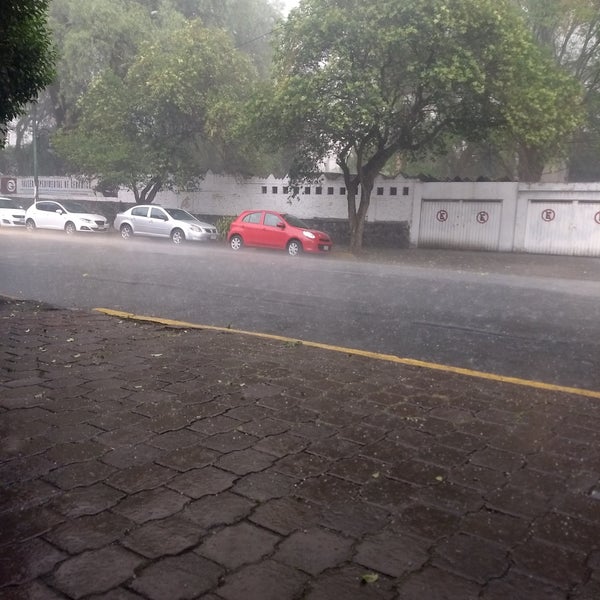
(540, 327)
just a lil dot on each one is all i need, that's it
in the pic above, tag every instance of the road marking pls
(364, 353)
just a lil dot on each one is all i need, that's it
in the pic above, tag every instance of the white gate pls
(467, 224)
(567, 227)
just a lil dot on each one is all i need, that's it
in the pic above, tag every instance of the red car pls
(270, 229)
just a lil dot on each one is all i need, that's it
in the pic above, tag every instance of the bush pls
(222, 226)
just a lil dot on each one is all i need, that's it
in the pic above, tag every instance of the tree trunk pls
(356, 236)
(531, 165)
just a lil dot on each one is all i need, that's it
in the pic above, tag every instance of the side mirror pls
(58, 211)
(281, 225)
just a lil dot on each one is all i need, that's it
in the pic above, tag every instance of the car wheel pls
(126, 231)
(177, 236)
(30, 225)
(294, 247)
(70, 228)
(236, 242)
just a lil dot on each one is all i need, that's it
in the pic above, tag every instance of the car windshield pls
(8, 203)
(180, 215)
(74, 207)
(295, 221)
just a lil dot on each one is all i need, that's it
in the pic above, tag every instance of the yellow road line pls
(365, 353)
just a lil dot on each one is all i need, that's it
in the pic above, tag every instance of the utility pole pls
(36, 194)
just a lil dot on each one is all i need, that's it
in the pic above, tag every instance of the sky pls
(288, 5)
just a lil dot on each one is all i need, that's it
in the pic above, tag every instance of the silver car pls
(12, 214)
(65, 215)
(157, 221)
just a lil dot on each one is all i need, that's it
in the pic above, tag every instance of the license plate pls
(325, 248)
(213, 236)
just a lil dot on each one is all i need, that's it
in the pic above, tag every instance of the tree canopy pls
(365, 81)
(168, 119)
(26, 56)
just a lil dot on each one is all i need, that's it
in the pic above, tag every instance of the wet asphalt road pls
(534, 317)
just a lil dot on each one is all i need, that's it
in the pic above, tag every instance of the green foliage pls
(26, 56)
(222, 225)
(170, 118)
(363, 81)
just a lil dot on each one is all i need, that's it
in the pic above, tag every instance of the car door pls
(252, 228)
(273, 233)
(50, 215)
(139, 220)
(158, 222)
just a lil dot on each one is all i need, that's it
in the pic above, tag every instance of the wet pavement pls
(144, 461)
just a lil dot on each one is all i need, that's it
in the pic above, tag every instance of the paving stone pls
(268, 581)
(185, 459)
(499, 460)
(22, 525)
(428, 522)
(174, 440)
(264, 427)
(517, 501)
(334, 448)
(144, 477)
(314, 550)
(245, 461)
(285, 515)
(80, 474)
(495, 527)
(417, 472)
(471, 557)
(118, 594)
(391, 554)
(132, 456)
(151, 504)
(23, 469)
(347, 583)
(567, 531)
(281, 445)
(359, 469)
(161, 538)
(556, 565)
(436, 583)
(86, 501)
(264, 485)
(89, 532)
(238, 545)
(387, 493)
(22, 563)
(520, 587)
(202, 482)
(302, 465)
(223, 509)
(327, 489)
(477, 478)
(31, 591)
(75, 452)
(95, 572)
(180, 577)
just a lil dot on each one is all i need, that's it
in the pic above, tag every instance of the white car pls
(65, 215)
(12, 214)
(156, 221)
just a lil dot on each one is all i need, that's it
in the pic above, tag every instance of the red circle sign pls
(597, 217)
(548, 215)
(482, 217)
(442, 216)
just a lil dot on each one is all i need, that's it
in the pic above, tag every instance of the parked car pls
(157, 221)
(12, 214)
(271, 229)
(66, 215)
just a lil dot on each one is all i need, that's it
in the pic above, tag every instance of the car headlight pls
(85, 220)
(196, 228)
(309, 234)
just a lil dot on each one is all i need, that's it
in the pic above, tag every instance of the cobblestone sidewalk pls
(140, 461)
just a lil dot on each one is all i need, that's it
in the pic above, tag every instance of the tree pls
(570, 31)
(168, 119)
(26, 57)
(363, 81)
